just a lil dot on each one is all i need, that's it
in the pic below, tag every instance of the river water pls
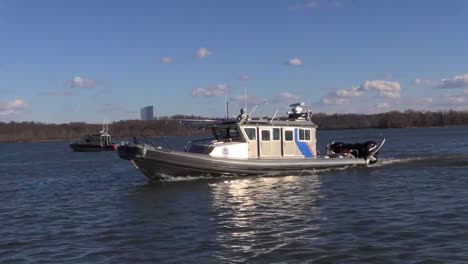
(58, 206)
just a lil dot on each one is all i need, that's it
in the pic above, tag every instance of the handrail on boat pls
(382, 138)
(149, 140)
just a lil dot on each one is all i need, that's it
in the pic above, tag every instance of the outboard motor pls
(353, 150)
(370, 147)
(336, 147)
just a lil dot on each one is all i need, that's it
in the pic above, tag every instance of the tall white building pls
(147, 113)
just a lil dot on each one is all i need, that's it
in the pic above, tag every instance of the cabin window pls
(288, 135)
(233, 133)
(251, 133)
(301, 134)
(226, 133)
(276, 134)
(265, 135)
(307, 134)
(304, 134)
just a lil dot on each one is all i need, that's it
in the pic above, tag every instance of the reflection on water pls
(253, 213)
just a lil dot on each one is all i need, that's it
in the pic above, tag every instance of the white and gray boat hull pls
(155, 163)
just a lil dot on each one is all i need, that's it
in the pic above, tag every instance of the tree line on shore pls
(35, 131)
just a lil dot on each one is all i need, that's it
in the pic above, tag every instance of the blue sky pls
(63, 61)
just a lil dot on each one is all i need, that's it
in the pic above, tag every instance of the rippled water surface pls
(57, 206)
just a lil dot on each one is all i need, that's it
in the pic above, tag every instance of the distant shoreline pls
(174, 126)
(325, 129)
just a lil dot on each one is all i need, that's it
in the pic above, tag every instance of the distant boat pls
(250, 147)
(101, 141)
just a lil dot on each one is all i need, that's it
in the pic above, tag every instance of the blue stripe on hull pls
(303, 147)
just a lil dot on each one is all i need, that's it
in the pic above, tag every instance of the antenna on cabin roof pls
(227, 110)
(255, 107)
(225, 105)
(273, 117)
(103, 126)
(245, 99)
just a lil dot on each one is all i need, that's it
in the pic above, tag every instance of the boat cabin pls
(291, 137)
(102, 139)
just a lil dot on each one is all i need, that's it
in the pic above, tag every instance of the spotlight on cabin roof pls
(297, 104)
(296, 108)
(297, 111)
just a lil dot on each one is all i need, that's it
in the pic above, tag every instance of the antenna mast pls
(250, 114)
(274, 116)
(225, 105)
(245, 99)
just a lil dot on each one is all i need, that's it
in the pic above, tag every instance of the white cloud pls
(312, 4)
(57, 93)
(80, 82)
(167, 60)
(422, 82)
(383, 105)
(457, 81)
(218, 90)
(335, 100)
(343, 96)
(202, 53)
(246, 77)
(295, 62)
(424, 100)
(315, 4)
(386, 88)
(285, 96)
(12, 108)
(416, 103)
(349, 92)
(336, 4)
(456, 100)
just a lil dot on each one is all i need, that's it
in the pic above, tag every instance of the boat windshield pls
(226, 133)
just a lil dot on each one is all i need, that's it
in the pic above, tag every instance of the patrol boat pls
(245, 146)
(95, 142)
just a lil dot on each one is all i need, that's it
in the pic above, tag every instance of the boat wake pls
(171, 178)
(428, 161)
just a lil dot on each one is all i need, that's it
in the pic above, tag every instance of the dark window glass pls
(224, 133)
(233, 133)
(265, 135)
(301, 134)
(288, 135)
(307, 134)
(251, 133)
(217, 133)
(276, 134)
